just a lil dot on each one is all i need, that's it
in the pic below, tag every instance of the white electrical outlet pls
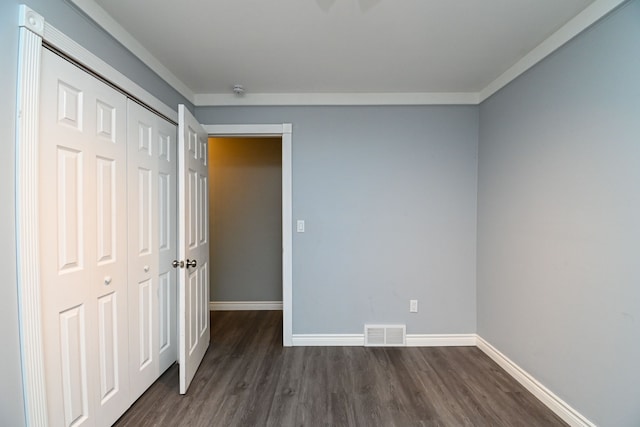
(413, 306)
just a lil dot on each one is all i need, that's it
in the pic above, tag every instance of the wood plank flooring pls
(248, 379)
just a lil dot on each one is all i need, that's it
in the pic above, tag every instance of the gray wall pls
(389, 199)
(74, 24)
(559, 221)
(245, 219)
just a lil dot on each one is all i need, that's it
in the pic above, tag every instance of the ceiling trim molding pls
(248, 130)
(298, 99)
(575, 26)
(113, 28)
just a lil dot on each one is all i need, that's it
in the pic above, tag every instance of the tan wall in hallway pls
(245, 219)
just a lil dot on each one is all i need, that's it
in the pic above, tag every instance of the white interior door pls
(193, 291)
(152, 173)
(83, 244)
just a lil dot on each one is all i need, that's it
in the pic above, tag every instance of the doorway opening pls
(245, 222)
(283, 133)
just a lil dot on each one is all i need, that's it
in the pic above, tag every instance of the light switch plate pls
(413, 306)
(300, 226)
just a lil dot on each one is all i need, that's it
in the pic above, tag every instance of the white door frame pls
(284, 131)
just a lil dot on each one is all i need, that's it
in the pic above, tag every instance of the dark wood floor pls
(248, 379)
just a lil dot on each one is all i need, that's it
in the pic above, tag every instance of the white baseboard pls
(441, 340)
(413, 340)
(328, 340)
(546, 396)
(244, 305)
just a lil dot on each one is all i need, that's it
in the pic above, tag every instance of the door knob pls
(107, 280)
(191, 263)
(177, 264)
(146, 268)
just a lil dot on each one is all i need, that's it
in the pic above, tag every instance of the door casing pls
(284, 131)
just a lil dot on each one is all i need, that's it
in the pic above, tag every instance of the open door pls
(193, 293)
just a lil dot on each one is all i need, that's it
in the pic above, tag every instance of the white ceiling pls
(204, 47)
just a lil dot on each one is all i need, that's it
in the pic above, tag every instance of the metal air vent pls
(385, 335)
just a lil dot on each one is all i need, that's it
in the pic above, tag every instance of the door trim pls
(27, 214)
(285, 131)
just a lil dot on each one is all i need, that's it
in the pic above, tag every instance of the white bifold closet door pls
(83, 245)
(152, 175)
(108, 234)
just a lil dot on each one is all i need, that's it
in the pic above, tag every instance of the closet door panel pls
(167, 242)
(108, 335)
(70, 209)
(108, 125)
(82, 197)
(145, 325)
(107, 203)
(152, 234)
(73, 351)
(143, 255)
